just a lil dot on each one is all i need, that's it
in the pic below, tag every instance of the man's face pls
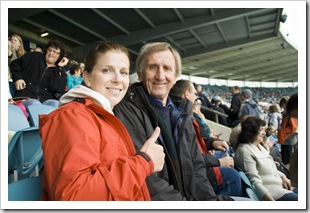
(159, 74)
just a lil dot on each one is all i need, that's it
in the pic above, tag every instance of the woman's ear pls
(86, 78)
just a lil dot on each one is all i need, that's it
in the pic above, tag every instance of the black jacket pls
(140, 120)
(235, 107)
(42, 82)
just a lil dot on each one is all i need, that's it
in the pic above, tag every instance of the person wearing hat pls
(249, 106)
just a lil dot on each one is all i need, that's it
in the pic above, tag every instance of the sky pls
(290, 27)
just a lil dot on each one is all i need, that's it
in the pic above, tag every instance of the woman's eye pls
(106, 70)
(124, 73)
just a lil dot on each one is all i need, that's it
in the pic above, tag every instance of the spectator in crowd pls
(224, 179)
(149, 105)
(38, 49)
(282, 103)
(235, 132)
(41, 77)
(275, 117)
(206, 104)
(288, 133)
(258, 165)
(270, 143)
(249, 106)
(82, 66)
(292, 109)
(201, 94)
(215, 105)
(74, 78)
(96, 161)
(233, 115)
(16, 47)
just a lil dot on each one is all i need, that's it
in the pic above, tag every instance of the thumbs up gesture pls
(155, 151)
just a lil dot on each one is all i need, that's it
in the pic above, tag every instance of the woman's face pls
(15, 43)
(261, 134)
(110, 76)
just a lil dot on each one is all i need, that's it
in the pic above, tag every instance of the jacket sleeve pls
(202, 186)
(211, 161)
(16, 69)
(74, 170)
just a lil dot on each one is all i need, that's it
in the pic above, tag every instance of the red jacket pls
(89, 155)
(204, 150)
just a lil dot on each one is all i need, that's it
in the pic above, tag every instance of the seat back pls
(251, 194)
(28, 189)
(17, 119)
(35, 110)
(24, 153)
(12, 88)
(247, 188)
(245, 179)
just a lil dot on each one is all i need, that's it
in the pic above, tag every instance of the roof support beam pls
(110, 20)
(246, 60)
(76, 24)
(53, 31)
(192, 23)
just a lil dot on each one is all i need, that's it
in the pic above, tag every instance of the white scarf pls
(80, 91)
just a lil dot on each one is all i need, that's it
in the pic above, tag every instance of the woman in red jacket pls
(88, 153)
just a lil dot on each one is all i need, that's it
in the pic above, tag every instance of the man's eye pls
(153, 67)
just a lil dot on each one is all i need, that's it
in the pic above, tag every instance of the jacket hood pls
(81, 91)
(252, 103)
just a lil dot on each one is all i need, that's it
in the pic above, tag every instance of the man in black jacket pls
(224, 179)
(41, 77)
(148, 105)
(233, 115)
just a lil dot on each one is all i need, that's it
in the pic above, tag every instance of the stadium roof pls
(223, 43)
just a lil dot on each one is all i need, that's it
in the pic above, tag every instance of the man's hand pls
(20, 84)
(155, 151)
(220, 145)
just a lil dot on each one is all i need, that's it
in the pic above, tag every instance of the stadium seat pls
(35, 110)
(17, 119)
(28, 189)
(251, 194)
(24, 154)
(12, 88)
(247, 186)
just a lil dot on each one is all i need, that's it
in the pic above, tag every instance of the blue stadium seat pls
(251, 194)
(35, 110)
(247, 186)
(12, 88)
(24, 154)
(17, 119)
(28, 189)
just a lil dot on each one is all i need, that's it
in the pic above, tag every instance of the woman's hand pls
(286, 183)
(155, 151)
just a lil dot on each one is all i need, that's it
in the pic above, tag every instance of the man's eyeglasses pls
(52, 51)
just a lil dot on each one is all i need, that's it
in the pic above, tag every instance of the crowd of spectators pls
(45, 75)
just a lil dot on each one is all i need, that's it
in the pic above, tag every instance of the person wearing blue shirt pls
(75, 76)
